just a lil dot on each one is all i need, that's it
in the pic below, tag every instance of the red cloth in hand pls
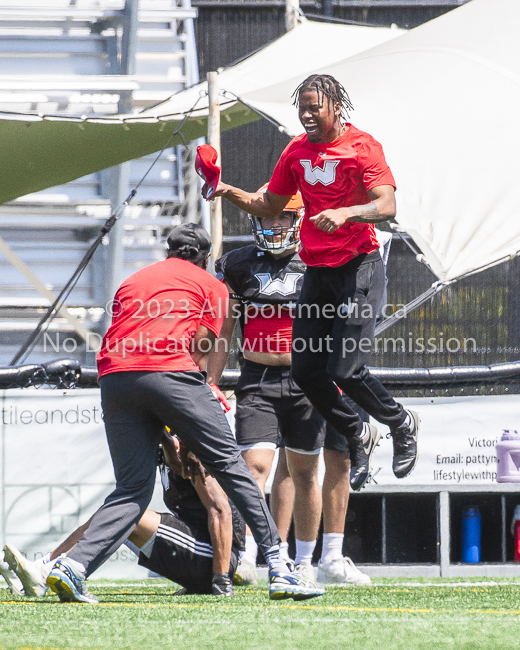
(221, 397)
(207, 168)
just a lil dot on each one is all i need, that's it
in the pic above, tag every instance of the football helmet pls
(278, 240)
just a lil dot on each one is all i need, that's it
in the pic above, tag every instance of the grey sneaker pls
(69, 583)
(292, 585)
(306, 571)
(361, 450)
(245, 574)
(30, 574)
(405, 445)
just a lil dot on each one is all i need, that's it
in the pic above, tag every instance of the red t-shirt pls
(156, 313)
(333, 175)
(268, 329)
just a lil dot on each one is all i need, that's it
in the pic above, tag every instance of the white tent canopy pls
(441, 98)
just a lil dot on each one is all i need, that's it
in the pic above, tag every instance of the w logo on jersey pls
(325, 175)
(285, 287)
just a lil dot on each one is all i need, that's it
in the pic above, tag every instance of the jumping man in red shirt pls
(346, 187)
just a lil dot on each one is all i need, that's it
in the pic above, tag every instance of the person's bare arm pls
(201, 345)
(381, 208)
(261, 204)
(218, 356)
(214, 499)
(220, 520)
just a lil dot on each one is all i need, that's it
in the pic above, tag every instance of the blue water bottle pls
(471, 535)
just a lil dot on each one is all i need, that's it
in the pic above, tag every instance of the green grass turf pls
(460, 614)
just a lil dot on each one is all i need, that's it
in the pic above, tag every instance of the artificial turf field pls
(393, 613)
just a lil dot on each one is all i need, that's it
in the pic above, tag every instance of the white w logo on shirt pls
(324, 175)
(285, 287)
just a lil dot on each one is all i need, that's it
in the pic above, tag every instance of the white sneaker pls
(13, 581)
(342, 569)
(30, 574)
(306, 571)
(245, 574)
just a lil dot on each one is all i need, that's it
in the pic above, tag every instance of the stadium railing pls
(69, 373)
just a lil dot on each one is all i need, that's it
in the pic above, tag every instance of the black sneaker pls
(221, 585)
(405, 445)
(361, 450)
(182, 592)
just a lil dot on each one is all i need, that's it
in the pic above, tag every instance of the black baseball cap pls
(189, 234)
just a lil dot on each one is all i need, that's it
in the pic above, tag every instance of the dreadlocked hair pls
(326, 86)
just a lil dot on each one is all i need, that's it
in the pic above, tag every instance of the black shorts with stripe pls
(183, 553)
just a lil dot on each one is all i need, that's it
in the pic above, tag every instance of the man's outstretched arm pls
(260, 204)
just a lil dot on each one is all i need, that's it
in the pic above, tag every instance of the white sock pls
(408, 420)
(45, 564)
(44, 560)
(274, 561)
(284, 552)
(249, 555)
(304, 551)
(332, 547)
(77, 566)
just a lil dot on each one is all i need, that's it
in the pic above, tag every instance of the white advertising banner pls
(456, 442)
(55, 471)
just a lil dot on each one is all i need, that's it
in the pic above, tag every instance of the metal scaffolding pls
(94, 58)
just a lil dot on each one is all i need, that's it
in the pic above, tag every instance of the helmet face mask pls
(279, 239)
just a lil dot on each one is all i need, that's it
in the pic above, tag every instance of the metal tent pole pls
(214, 141)
(195, 207)
(292, 10)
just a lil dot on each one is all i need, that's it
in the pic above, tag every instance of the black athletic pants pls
(136, 406)
(333, 333)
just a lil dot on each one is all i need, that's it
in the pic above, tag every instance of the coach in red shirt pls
(346, 187)
(152, 373)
